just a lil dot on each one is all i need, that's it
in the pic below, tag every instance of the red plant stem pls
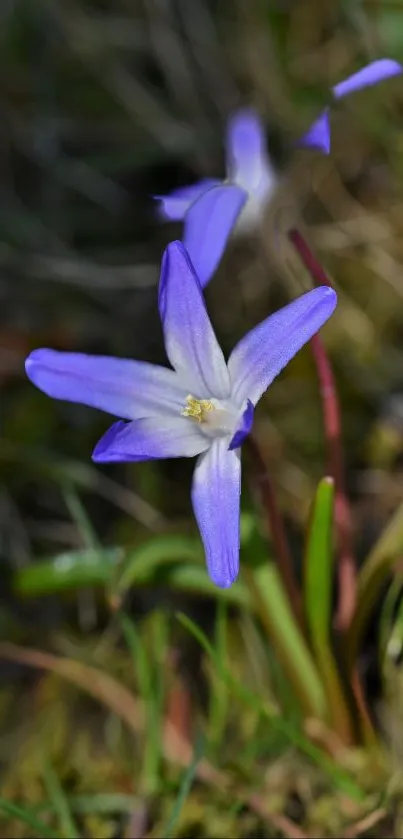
(332, 425)
(312, 265)
(277, 530)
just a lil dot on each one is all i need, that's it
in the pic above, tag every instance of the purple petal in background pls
(246, 148)
(215, 496)
(208, 226)
(190, 342)
(318, 136)
(261, 355)
(149, 439)
(173, 207)
(122, 387)
(375, 72)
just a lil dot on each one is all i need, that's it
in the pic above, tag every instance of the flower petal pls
(262, 353)
(208, 226)
(215, 496)
(318, 136)
(244, 427)
(150, 439)
(375, 72)
(125, 388)
(190, 341)
(173, 207)
(246, 148)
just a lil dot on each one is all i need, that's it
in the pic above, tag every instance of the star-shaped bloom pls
(318, 136)
(201, 407)
(248, 163)
(248, 167)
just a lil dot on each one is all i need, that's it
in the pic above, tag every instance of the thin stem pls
(277, 529)
(335, 455)
(318, 274)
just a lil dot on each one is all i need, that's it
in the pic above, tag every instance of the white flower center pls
(215, 419)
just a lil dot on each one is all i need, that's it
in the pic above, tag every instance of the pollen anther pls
(196, 409)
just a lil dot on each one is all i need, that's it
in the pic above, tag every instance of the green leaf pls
(24, 815)
(153, 554)
(194, 579)
(285, 636)
(184, 789)
(386, 620)
(176, 561)
(69, 570)
(60, 804)
(318, 586)
(150, 564)
(160, 552)
(318, 578)
(372, 577)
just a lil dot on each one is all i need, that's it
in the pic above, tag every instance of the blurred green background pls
(104, 104)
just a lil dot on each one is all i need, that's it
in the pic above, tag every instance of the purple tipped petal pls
(246, 148)
(215, 496)
(244, 427)
(190, 341)
(370, 75)
(318, 136)
(262, 353)
(125, 388)
(173, 207)
(150, 439)
(208, 226)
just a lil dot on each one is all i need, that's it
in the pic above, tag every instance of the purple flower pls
(248, 168)
(222, 206)
(318, 135)
(208, 226)
(203, 406)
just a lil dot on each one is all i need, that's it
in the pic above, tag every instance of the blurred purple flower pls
(318, 135)
(248, 167)
(203, 406)
(209, 222)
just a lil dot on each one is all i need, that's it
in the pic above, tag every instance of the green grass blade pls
(318, 586)
(387, 620)
(372, 576)
(67, 571)
(151, 689)
(318, 577)
(79, 515)
(88, 567)
(194, 579)
(184, 789)
(219, 694)
(289, 644)
(168, 555)
(340, 777)
(23, 815)
(59, 801)
(141, 660)
(176, 561)
(155, 553)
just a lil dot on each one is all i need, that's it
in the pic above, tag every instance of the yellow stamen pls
(197, 408)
